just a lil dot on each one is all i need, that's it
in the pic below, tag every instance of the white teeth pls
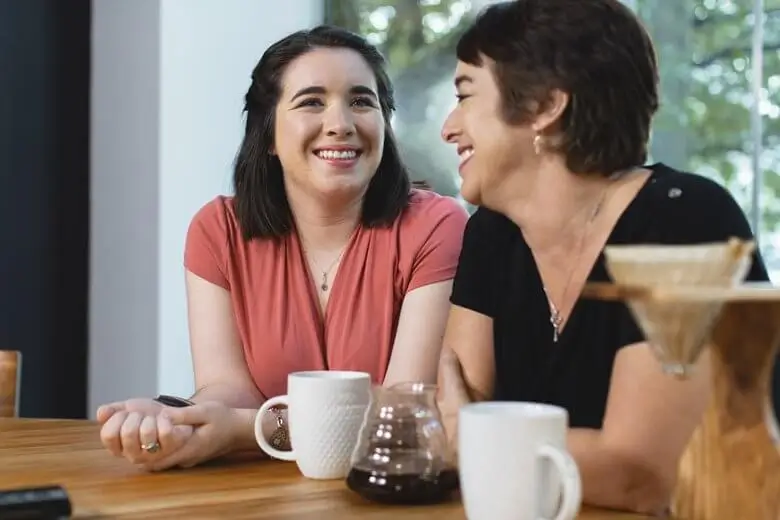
(467, 153)
(337, 154)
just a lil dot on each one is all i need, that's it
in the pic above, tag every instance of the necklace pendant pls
(555, 321)
(324, 285)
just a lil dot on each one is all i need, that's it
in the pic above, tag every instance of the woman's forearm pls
(244, 403)
(615, 481)
(232, 396)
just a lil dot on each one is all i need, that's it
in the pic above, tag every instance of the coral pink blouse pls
(274, 299)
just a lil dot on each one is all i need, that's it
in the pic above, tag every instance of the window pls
(418, 38)
(720, 86)
(720, 82)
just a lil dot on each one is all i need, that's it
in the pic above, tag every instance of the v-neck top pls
(276, 309)
(498, 277)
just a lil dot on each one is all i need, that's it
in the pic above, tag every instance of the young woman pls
(325, 258)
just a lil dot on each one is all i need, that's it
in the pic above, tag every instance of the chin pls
(343, 190)
(471, 193)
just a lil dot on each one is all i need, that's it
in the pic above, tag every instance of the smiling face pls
(329, 128)
(490, 150)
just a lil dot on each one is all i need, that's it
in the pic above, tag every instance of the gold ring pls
(152, 447)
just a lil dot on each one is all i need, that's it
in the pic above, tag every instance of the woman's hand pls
(213, 431)
(452, 395)
(133, 430)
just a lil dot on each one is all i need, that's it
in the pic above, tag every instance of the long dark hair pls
(261, 204)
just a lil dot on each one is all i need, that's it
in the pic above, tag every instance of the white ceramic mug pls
(325, 413)
(513, 462)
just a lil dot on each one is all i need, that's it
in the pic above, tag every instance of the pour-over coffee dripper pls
(678, 330)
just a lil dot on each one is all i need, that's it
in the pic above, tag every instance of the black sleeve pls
(691, 209)
(475, 283)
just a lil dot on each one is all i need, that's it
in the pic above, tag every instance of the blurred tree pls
(704, 50)
(417, 37)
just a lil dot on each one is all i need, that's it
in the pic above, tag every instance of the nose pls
(450, 129)
(339, 122)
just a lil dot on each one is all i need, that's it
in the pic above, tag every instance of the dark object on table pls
(41, 503)
(173, 401)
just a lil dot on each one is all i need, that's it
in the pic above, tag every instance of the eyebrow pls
(316, 89)
(463, 78)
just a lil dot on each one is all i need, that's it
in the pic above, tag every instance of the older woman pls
(555, 100)
(325, 258)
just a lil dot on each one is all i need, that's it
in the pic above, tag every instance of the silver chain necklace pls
(324, 285)
(556, 316)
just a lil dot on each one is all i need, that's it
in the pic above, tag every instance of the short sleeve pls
(691, 209)
(206, 244)
(475, 285)
(439, 227)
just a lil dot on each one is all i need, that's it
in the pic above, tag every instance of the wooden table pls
(69, 453)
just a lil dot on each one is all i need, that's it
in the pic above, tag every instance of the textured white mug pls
(325, 413)
(513, 463)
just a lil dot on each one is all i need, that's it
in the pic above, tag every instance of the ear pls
(551, 110)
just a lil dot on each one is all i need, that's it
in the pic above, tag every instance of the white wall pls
(168, 79)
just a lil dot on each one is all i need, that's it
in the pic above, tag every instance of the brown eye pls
(311, 102)
(363, 102)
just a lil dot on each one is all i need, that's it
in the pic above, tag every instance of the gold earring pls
(538, 144)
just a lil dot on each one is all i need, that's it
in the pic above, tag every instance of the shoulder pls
(687, 191)
(429, 235)
(208, 241)
(214, 211)
(217, 215)
(428, 211)
(669, 183)
(490, 231)
(485, 219)
(694, 206)
(687, 208)
(214, 224)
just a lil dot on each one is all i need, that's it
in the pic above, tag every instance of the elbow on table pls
(644, 488)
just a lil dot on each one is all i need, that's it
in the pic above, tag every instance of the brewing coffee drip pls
(402, 456)
(678, 329)
(687, 298)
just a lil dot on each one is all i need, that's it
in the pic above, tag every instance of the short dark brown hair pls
(595, 50)
(262, 208)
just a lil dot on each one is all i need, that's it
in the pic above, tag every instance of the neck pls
(325, 227)
(552, 204)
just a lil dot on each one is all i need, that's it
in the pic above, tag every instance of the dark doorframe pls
(44, 200)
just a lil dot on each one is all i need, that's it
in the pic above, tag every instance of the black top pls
(497, 276)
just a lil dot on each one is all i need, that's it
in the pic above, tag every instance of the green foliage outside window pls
(704, 50)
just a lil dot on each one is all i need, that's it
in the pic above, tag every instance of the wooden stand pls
(730, 469)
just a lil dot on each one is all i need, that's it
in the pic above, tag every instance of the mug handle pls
(571, 495)
(260, 438)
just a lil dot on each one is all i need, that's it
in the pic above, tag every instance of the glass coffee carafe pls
(402, 456)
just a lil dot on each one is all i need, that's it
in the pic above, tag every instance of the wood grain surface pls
(37, 452)
(731, 467)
